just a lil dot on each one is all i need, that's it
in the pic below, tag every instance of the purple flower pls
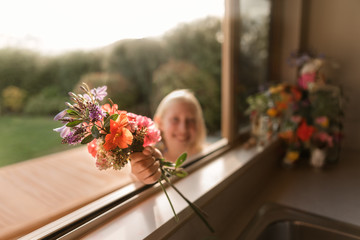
(64, 131)
(95, 112)
(60, 115)
(99, 92)
(87, 97)
(72, 138)
(75, 136)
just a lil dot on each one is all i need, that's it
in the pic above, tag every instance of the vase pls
(317, 158)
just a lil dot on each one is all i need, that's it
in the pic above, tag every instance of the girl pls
(180, 120)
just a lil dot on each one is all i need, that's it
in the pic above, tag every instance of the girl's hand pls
(145, 166)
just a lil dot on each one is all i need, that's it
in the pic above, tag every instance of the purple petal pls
(87, 97)
(64, 131)
(60, 115)
(99, 92)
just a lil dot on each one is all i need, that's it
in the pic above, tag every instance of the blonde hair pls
(187, 96)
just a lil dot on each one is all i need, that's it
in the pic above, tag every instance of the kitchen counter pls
(332, 192)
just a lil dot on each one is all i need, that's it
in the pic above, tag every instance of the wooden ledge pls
(41, 190)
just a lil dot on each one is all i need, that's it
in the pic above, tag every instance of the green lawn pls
(24, 137)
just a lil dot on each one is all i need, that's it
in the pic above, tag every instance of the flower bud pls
(69, 105)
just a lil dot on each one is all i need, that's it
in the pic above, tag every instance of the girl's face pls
(178, 127)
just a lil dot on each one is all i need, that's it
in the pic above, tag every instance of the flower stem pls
(171, 205)
(196, 209)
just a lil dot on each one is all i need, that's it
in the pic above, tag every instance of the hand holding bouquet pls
(112, 135)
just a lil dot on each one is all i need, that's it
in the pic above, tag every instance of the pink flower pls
(322, 121)
(324, 137)
(296, 119)
(102, 163)
(152, 135)
(305, 79)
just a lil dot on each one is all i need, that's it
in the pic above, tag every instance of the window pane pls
(140, 49)
(254, 49)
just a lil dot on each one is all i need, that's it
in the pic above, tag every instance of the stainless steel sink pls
(278, 222)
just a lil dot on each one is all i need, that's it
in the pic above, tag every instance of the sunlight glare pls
(61, 25)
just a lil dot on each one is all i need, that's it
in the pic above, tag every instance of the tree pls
(119, 89)
(136, 60)
(199, 43)
(18, 67)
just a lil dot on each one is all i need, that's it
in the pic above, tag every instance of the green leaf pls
(167, 164)
(72, 112)
(180, 160)
(87, 139)
(107, 121)
(181, 173)
(95, 132)
(74, 123)
(114, 116)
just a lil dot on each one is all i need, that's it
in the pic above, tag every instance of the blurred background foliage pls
(138, 72)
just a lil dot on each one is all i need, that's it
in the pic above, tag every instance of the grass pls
(24, 137)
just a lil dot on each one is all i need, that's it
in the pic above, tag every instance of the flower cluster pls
(111, 134)
(273, 105)
(306, 116)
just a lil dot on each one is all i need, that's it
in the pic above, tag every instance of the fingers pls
(145, 166)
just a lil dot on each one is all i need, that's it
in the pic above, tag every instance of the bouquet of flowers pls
(306, 115)
(112, 135)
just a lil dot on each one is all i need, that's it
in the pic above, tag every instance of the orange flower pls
(287, 135)
(272, 112)
(119, 135)
(111, 110)
(281, 105)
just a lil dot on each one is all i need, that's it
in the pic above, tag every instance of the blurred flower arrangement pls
(307, 116)
(112, 135)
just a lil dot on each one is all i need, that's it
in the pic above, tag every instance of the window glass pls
(254, 49)
(140, 49)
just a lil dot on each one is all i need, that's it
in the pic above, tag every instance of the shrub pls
(48, 102)
(13, 99)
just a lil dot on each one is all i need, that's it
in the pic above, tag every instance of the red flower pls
(304, 131)
(296, 93)
(119, 135)
(92, 148)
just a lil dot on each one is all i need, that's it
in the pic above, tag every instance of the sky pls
(54, 26)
